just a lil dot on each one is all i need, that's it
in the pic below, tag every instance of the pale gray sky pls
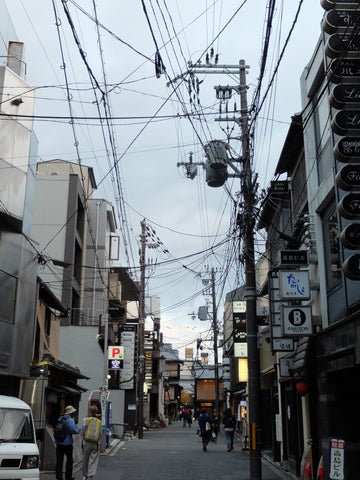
(186, 214)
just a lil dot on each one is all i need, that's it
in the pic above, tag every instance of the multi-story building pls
(18, 254)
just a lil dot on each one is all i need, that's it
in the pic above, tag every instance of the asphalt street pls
(175, 453)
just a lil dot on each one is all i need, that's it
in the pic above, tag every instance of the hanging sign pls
(351, 267)
(339, 44)
(344, 70)
(345, 96)
(349, 206)
(347, 149)
(294, 285)
(348, 177)
(346, 122)
(296, 321)
(282, 345)
(341, 21)
(293, 257)
(350, 236)
(330, 4)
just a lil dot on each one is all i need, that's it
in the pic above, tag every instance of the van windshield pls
(16, 426)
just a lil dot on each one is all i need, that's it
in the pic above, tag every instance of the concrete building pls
(18, 253)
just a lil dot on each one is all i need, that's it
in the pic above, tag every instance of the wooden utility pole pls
(141, 344)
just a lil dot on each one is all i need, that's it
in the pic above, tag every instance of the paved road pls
(175, 453)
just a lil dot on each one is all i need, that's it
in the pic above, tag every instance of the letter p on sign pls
(116, 353)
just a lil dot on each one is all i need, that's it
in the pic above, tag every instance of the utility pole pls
(141, 344)
(248, 191)
(215, 341)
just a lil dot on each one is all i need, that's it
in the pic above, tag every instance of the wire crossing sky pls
(103, 78)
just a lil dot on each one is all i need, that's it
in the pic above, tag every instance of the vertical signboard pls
(127, 340)
(336, 459)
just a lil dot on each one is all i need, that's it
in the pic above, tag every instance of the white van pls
(19, 454)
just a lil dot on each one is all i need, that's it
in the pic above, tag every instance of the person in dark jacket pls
(189, 418)
(205, 425)
(66, 446)
(229, 422)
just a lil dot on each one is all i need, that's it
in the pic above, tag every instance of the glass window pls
(16, 426)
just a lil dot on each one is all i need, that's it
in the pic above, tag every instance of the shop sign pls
(349, 206)
(282, 345)
(239, 309)
(345, 96)
(348, 177)
(338, 44)
(336, 459)
(294, 257)
(341, 21)
(344, 70)
(285, 365)
(241, 350)
(346, 122)
(296, 321)
(294, 285)
(351, 267)
(279, 186)
(347, 149)
(350, 236)
(330, 4)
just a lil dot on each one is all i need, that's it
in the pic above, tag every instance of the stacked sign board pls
(341, 26)
(287, 289)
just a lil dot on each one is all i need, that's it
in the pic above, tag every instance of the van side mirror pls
(39, 434)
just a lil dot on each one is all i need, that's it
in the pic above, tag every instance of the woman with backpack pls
(63, 432)
(91, 441)
(229, 424)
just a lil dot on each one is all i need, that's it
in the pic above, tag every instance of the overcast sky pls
(148, 135)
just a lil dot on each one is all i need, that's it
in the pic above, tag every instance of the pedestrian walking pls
(189, 418)
(65, 447)
(184, 417)
(205, 425)
(91, 441)
(229, 422)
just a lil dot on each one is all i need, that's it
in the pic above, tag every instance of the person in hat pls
(65, 447)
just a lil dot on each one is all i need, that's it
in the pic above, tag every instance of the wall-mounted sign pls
(330, 4)
(347, 149)
(336, 459)
(348, 177)
(293, 257)
(296, 321)
(346, 122)
(341, 21)
(241, 350)
(344, 70)
(114, 247)
(282, 345)
(239, 306)
(349, 206)
(294, 285)
(338, 44)
(351, 267)
(350, 236)
(345, 96)
(285, 366)
(279, 186)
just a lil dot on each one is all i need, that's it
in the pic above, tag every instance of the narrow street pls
(175, 453)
